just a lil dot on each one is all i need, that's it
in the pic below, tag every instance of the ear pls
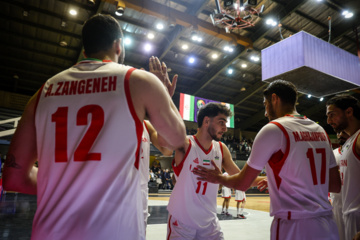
(274, 98)
(117, 46)
(206, 120)
(349, 111)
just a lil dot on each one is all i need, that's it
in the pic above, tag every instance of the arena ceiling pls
(39, 38)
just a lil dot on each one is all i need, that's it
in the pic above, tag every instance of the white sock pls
(241, 210)
(238, 211)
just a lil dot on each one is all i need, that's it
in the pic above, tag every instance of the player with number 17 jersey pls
(102, 155)
(193, 202)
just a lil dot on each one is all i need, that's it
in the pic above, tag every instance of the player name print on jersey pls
(309, 136)
(90, 85)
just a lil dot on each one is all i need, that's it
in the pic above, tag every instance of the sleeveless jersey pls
(298, 178)
(336, 197)
(193, 202)
(350, 177)
(144, 170)
(88, 141)
(144, 159)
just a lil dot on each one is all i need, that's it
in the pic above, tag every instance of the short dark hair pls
(286, 91)
(99, 33)
(212, 110)
(344, 101)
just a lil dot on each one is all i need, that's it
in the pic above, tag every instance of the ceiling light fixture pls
(184, 46)
(271, 22)
(127, 41)
(309, 96)
(73, 12)
(150, 36)
(255, 58)
(321, 99)
(160, 26)
(230, 71)
(347, 14)
(244, 65)
(214, 56)
(147, 47)
(191, 60)
(119, 11)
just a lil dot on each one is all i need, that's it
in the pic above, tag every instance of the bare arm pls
(154, 139)
(334, 180)
(228, 164)
(150, 97)
(240, 181)
(20, 175)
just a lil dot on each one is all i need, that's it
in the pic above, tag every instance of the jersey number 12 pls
(60, 117)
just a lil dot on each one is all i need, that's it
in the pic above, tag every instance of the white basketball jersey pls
(88, 141)
(226, 192)
(299, 177)
(144, 158)
(350, 177)
(193, 202)
(336, 197)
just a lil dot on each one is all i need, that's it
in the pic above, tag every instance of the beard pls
(212, 133)
(271, 113)
(342, 125)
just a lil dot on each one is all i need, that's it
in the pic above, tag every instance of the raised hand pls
(262, 185)
(209, 175)
(160, 70)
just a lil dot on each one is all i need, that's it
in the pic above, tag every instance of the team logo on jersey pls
(196, 161)
(206, 162)
(217, 158)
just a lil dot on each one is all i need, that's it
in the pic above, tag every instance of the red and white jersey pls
(350, 175)
(193, 202)
(336, 197)
(144, 158)
(297, 155)
(88, 142)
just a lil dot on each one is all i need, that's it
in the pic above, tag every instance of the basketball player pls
(226, 195)
(84, 127)
(192, 204)
(343, 112)
(300, 167)
(240, 198)
(336, 197)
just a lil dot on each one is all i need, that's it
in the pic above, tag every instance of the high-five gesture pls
(160, 70)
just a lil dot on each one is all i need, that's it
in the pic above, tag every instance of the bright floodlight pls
(127, 41)
(231, 49)
(150, 36)
(194, 38)
(226, 48)
(160, 26)
(185, 46)
(147, 47)
(244, 65)
(191, 60)
(73, 12)
(321, 99)
(309, 96)
(214, 56)
(230, 71)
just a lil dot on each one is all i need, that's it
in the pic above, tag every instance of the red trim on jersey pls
(181, 105)
(353, 148)
(38, 98)
(277, 160)
(198, 143)
(226, 197)
(169, 224)
(146, 127)
(289, 215)
(278, 230)
(221, 149)
(239, 200)
(328, 139)
(138, 123)
(339, 149)
(177, 169)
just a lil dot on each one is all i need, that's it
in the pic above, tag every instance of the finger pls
(163, 68)
(157, 64)
(151, 64)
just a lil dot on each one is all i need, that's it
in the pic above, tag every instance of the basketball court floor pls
(17, 212)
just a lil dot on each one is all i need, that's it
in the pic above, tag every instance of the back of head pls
(344, 101)
(285, 90)
(99, 33)
(212, 110)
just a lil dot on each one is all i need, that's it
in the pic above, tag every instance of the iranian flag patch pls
(206, 162)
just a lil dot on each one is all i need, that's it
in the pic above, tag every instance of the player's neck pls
(204, 139)
(103, 56)
(353, 127)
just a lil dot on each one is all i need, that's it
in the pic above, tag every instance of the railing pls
(9, 131)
